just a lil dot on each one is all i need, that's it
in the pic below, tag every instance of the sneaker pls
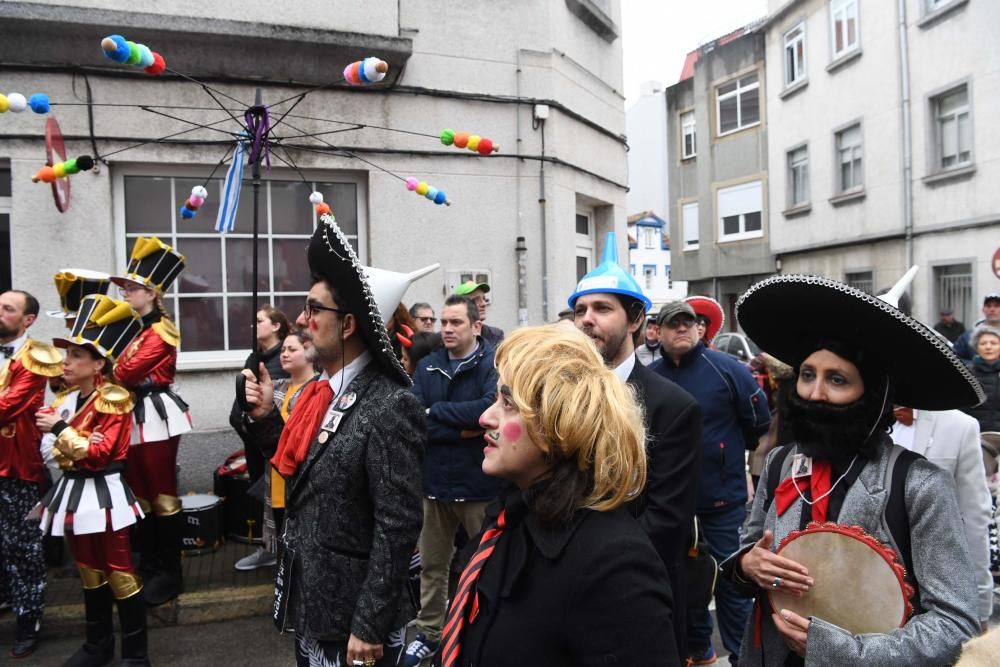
(419, 650)
(260, 558)
(706, 657)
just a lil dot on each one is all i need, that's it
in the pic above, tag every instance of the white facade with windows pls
(441, 76)
(649, 259)
(851, 197)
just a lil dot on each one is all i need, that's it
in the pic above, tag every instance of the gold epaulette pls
(41, 358)
(61, 396)
(113, 399)
(168, 331)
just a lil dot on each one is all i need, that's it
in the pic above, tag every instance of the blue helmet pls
(609, 278)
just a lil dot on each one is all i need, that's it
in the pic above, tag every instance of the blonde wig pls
(577, 410)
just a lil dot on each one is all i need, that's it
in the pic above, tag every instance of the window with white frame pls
(6, 258)
(954, 128)
(689, 136)
(648, 274)
(844, 19)
(689, 215)
(798, 176)
(213, 299)
(738, 103)
(795, 55)
(740, 208)
(649, 235)
(850, 174)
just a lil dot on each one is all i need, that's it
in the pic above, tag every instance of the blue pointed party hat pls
(609, 278)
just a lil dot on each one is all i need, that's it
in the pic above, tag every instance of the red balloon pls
(485, 146)
(159, 64)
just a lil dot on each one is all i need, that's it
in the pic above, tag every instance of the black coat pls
(987, 414)
(585, 594)
(666, 507)
(272, 362)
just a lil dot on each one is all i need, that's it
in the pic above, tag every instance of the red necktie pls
(818, 485)
(904, 416)
(298, 433)
(452, 634)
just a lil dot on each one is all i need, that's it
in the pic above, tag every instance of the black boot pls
(167, 582)
(132, 616)
(144, 533)
(100, 647)
(26, 637)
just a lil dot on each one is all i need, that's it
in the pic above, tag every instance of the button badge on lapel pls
(347, 400)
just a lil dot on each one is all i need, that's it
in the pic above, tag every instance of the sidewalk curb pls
(220, 604)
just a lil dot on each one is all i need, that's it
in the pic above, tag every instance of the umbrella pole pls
(255, 182)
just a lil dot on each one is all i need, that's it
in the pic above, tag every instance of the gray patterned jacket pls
(354, 517)
(940, 560)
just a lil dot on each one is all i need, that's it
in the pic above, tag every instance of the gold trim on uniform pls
(92, 578)
(113, 399)
(124, 584)
(60, 396)
(168, 331)
(41, 358)
(164, 505)
(72, 445)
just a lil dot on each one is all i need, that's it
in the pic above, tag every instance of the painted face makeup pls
(512, 431)
(509, 452)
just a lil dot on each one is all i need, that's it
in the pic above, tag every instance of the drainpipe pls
(904, 106)
(522, 282)
(521, 248)
(541, 205)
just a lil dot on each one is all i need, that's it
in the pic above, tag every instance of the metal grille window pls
(795, 55)
(862, 280)
(954, 128)
(798, 176)
(953, 289)
(213, 299)
(850, 174)
(689, 137)
(738, 104)
(844, 19)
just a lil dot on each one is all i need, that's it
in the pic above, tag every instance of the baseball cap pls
(947, 311)
(470, 286)
(672, 309)
(992, 296)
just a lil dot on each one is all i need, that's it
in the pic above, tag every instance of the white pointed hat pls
(388, 287)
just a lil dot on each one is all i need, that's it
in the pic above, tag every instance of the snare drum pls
(202, 522)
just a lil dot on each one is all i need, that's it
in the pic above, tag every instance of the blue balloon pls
(440, 197)
(187, 213)
(39, 103)
(122, 52)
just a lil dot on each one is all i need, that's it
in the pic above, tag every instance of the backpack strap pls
(895, 516)
(776, 470)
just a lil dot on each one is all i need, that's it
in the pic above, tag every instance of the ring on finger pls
(776, 583)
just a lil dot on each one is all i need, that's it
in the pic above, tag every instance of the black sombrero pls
(786, 315)
(332, 258)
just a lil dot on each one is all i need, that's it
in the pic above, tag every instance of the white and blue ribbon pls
(226, 221)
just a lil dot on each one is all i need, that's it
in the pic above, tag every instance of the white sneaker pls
(260, 558)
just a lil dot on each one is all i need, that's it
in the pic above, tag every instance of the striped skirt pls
(82, 503)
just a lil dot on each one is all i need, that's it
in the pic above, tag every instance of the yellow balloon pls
(59, 169)
(473, 142)
(4, 104)
(421, 188)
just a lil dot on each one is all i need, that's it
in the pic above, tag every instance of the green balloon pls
(134, 55)
(447, 137)
(71, 167)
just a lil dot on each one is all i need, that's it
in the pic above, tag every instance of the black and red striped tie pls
(452, 635)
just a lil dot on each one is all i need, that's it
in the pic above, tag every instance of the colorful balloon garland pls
(322, 208)
(362, 72)
(428, 191)
(16, 102)
(473, 142)
(198, 196)
(47, 174)
(123, 51)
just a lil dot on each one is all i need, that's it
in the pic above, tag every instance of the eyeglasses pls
(679, 322)
(428, 320)
(311, 309)
(130, 289)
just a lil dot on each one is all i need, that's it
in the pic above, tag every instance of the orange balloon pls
(461, 139)
(46, 174)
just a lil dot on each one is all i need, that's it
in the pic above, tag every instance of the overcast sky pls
(658, 34)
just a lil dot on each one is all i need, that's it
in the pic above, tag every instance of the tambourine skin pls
(859, 585)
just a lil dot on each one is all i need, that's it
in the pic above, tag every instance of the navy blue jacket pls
(453, 465)
(734, 414)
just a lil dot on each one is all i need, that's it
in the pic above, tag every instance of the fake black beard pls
(831, 432)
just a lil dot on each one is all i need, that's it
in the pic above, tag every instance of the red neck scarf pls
(818, 484)
(293, 447)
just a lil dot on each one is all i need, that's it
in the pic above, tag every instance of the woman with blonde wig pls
(562, 574)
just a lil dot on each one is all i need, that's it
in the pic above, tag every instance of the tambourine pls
(859, 585)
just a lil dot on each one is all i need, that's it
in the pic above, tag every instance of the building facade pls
(717, 133)
(880, 153)
(649, 259)
(543, 80)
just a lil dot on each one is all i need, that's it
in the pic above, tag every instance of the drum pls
(202, 522)
(859, 585)
(244, 516)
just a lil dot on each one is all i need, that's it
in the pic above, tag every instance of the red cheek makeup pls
(511, 431)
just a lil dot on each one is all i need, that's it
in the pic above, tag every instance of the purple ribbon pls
(258, 125)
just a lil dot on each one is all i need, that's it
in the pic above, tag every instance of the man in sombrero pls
(854, 355)
(351, 454)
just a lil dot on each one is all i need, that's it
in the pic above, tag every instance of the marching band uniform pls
(91, 503)
(23, 375)
(147, 368)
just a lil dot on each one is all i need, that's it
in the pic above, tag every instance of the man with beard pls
(734, 415)
(351, 453)
(609, 307)
(839, 414)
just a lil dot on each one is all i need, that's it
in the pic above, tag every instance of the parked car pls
(737, 345)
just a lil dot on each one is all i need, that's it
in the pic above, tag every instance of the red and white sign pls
(55, 151)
